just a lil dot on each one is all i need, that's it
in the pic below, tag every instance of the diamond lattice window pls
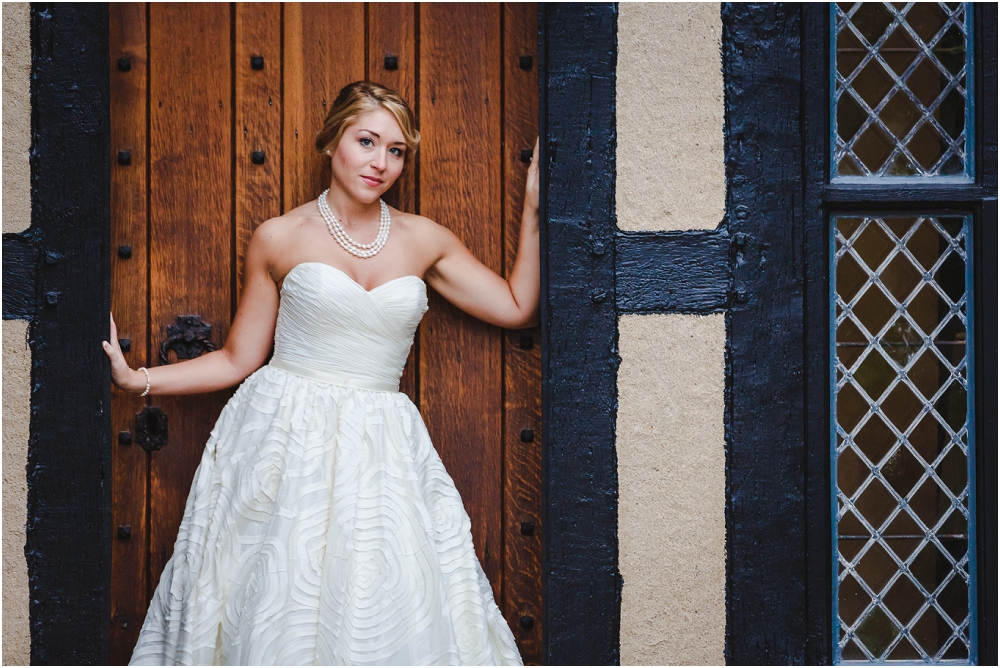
(903, 464)
(902, 95)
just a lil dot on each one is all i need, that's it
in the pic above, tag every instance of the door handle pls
(188, 337)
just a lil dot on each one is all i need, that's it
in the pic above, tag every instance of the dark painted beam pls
(676, 272)
(582, 585)
(20, 252)
(766, 619)
(69, 452)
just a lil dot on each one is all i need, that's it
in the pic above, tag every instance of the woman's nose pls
(379, 160)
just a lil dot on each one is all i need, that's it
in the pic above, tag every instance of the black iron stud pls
(125, 251)
(124, 157)
(52, 258)
(125, 437)
(257, 62)
(124, 64)
(525, 62)
(125, 345)
(527, 343)
(257, 157)
(527, 528)
(527, 621)
(598, 296)
(527, 435)
(124, 531)
(391, 62)
(526, 155)
(51, 298)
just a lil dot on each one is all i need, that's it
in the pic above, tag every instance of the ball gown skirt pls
(322, 527)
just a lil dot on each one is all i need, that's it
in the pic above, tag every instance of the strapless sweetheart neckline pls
(348, 277)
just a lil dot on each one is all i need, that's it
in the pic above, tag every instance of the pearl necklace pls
(362, 251)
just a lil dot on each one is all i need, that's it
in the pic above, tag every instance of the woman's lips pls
(374, 183)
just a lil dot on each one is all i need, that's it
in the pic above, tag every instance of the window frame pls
(823, 198)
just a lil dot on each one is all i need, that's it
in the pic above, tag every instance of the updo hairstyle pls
(361, 97)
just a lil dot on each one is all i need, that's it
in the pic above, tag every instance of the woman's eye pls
(366, 139)
(397, 151)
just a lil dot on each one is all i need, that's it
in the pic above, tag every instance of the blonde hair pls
(360, 97)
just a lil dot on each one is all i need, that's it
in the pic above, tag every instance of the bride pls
(321, 526)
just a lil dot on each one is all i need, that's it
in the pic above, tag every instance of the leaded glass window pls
(903, 458)
(902, 82)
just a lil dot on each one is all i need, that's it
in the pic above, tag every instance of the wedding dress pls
(321, 527)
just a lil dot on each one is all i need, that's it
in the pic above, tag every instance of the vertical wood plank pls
(129, 304)
(190, 229)
(460, 357)
(258, 121)
(324, 51)
(522, 350)
(391, 32)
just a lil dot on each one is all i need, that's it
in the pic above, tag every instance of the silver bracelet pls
(146, 391)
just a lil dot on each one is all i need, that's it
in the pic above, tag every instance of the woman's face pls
(370, 155)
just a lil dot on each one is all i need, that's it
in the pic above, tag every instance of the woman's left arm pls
(476, 289)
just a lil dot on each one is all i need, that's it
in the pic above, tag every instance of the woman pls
(321, 526)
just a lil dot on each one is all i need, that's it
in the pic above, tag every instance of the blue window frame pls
(902, 82)
(903, 438)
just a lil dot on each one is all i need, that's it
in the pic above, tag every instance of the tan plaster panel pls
(16, 392)
(16, 117)
(671, 489)
(671, 171)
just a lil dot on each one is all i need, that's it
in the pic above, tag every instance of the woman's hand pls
(123, 376)
(531, 183)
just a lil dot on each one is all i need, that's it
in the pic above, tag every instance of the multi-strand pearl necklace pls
(346, 242)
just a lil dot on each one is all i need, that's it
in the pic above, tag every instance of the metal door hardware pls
(189, 337)
(151, 428)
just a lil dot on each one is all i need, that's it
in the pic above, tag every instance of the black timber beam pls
(581, 582)
(63, 285)
(676, 272)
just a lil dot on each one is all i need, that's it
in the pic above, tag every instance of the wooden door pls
(214, 110)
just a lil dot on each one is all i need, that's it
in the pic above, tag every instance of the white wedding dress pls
(321, 527)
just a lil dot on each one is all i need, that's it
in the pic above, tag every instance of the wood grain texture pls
(324, 51)
(190, 229)
(130, 306)
(392, 31)
(258, 122)
(460, 360)
(522, 366)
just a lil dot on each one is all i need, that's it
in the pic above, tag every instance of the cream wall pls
(671, 382)
(671, 170)
(16, 356)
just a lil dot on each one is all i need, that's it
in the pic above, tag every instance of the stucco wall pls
(16, 356)
(671, 174)
(671, 488)
(670, 431)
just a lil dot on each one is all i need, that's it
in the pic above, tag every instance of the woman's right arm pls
(246, 347)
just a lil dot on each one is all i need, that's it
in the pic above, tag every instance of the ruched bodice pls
(329, 323)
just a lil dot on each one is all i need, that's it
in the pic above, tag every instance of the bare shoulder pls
(275, 236)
